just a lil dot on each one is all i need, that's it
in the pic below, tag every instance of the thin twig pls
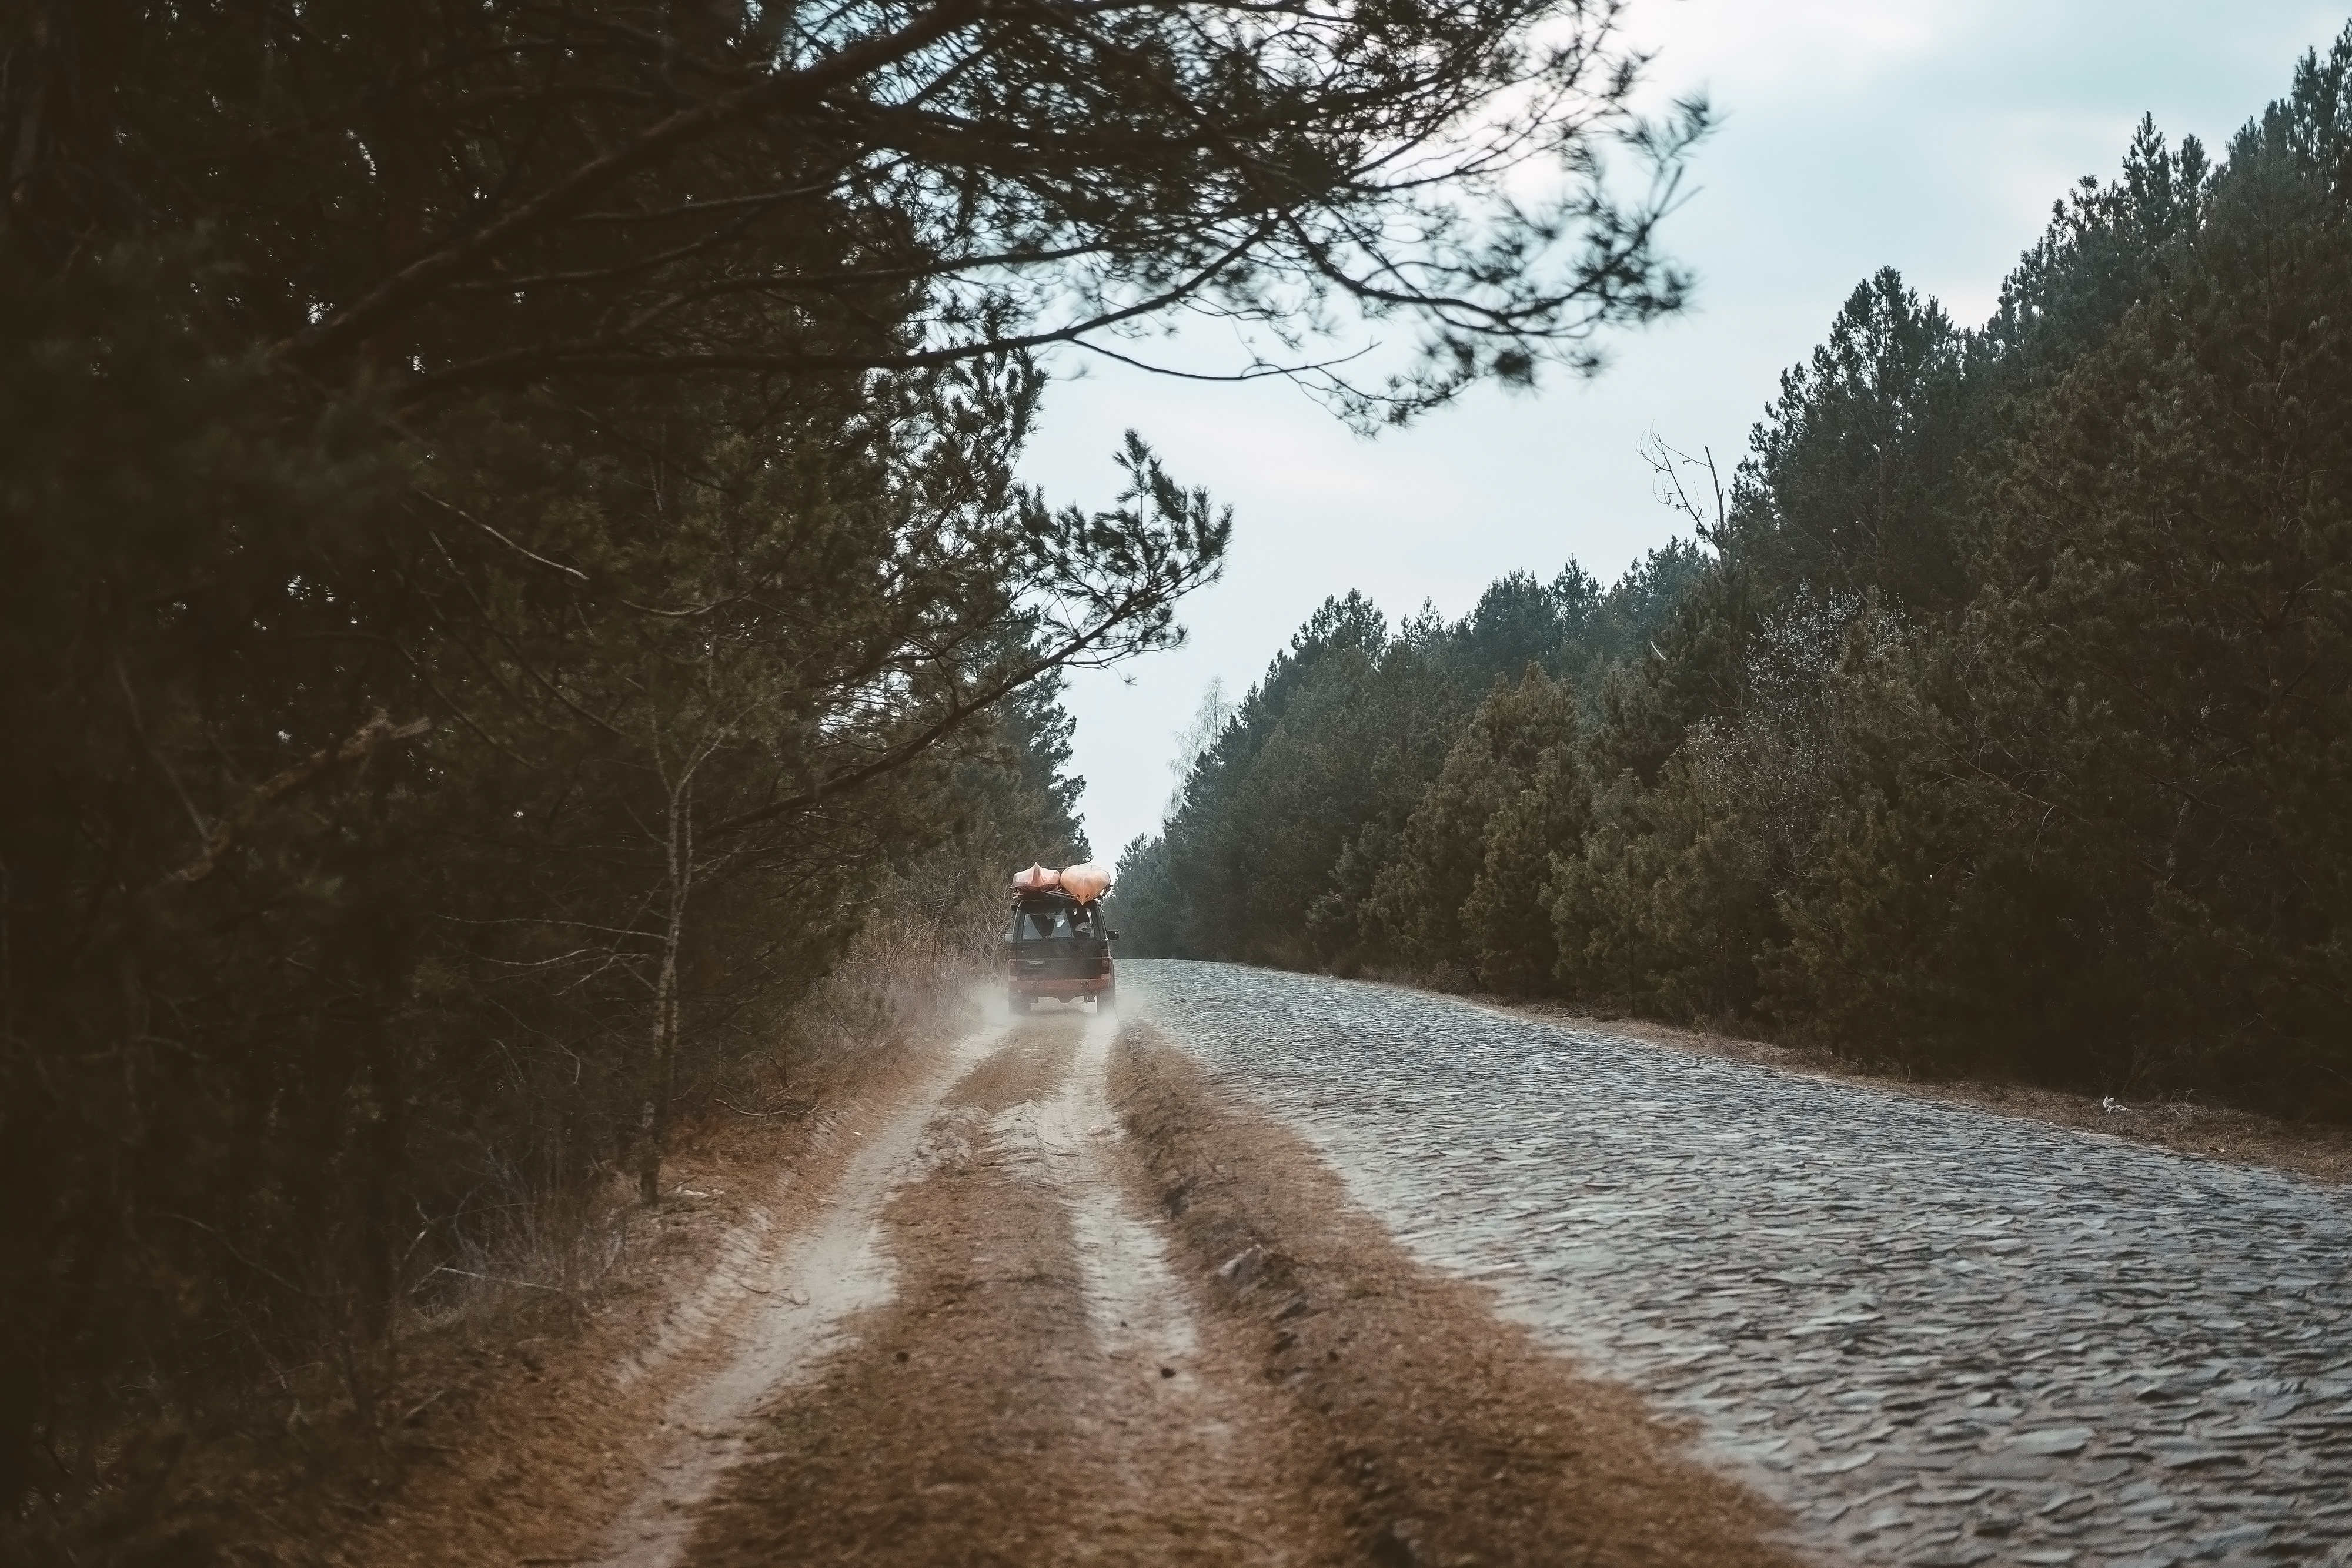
(757, 1115)
(471, 521)
(497, 1280)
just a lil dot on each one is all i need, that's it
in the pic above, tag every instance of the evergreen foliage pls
(2004, 726)
(508, 547)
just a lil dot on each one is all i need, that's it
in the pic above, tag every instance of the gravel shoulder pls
(2321, 1152)
(1938, 1336)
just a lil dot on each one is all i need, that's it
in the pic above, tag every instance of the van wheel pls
(1016, 1005)
(1108, 1002)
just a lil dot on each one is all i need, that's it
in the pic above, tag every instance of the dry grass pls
(534, 1442)
(910, 977)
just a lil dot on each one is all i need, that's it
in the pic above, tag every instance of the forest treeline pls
(1998, 724)
(510, 553)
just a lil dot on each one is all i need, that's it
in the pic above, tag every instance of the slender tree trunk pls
(663, 1067)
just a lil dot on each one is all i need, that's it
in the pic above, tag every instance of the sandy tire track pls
(1186, 1420)
(1039, 1391)
(1137, 1308)
(773, 1307)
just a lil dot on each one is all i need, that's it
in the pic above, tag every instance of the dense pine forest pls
(1997, 722)
(511, 560)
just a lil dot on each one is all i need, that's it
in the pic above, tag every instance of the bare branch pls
(471, 521)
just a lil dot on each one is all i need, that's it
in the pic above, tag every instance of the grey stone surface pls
(1936, 1335)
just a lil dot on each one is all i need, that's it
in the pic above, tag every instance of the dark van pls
(1058, 947)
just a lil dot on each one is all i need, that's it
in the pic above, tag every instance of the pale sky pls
(1931, 135)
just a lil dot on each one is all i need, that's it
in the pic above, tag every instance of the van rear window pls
(1045, 923)
(1041, 924)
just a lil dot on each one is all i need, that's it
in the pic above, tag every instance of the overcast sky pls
(1931, 135)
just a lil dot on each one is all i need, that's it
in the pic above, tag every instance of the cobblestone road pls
(1939, 1336)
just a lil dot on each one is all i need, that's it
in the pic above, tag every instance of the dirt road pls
(1059, 1300)
(1281, 1269)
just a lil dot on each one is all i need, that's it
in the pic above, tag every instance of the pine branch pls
(363, 742)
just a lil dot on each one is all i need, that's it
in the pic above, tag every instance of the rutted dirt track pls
(1063, 1301)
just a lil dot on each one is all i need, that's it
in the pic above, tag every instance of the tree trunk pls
(663, 1067)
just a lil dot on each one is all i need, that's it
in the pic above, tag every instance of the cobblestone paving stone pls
(1938, 1336)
